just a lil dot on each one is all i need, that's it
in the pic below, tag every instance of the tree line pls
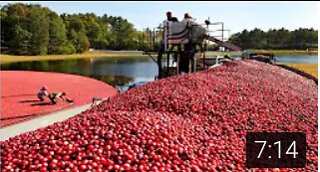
(28, 29)
(299, 39)
(34, 30)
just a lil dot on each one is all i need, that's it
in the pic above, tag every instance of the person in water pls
(54, 97)
(43, 92)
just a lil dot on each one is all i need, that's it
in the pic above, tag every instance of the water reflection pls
(116, 71)
(115, 80)
(298, 59)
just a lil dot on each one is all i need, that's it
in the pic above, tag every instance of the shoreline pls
(287, 52)
(103, 54)
(275, 52)
(87, 55)
(311, 69)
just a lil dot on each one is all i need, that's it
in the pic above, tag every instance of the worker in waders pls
(43, 92)
(54, 97)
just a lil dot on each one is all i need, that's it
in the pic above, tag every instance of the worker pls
(187, 17)
(55, 96)
(170, 17)
(43, 92)
(95, 101)
(207, 22)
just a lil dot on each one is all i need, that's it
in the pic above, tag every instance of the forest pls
(35, 30)
(275, 39)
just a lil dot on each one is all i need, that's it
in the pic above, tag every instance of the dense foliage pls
(35, 30)
(276, 39)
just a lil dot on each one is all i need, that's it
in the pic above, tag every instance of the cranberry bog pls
(193, 122)
(19, 101)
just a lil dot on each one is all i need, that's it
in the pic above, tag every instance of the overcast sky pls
(235, 15)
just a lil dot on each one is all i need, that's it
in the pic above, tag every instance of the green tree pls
(38, 26)
(304, 38)
(20, 42)
(4, 22)
(276, 39)
(125, 35)
(14, 29)
(32, 30)
(58, 43)
(26, 29)
(94, 31)
(76, 32)
(257, 39)
(279, 39)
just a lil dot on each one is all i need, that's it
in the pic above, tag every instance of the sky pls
(236, 16)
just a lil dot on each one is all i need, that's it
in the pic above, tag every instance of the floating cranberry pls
(193, 122)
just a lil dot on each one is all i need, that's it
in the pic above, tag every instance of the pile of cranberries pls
(193, 122)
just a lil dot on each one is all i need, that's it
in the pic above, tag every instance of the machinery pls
(265, 57)
(180, 43)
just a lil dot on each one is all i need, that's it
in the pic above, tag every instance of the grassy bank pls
(275, 52)
(288, 52)
(12, 58)
(217, 53)
(308, 68)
